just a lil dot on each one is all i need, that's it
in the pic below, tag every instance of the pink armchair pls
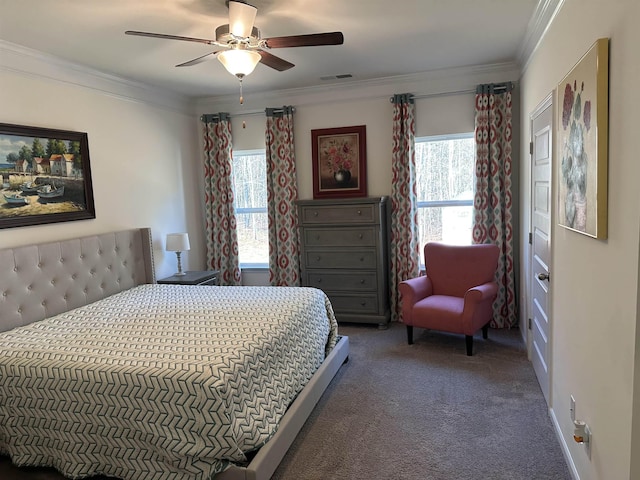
(456, 295)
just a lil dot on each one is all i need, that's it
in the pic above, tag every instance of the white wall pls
(595, 283)
(143, 155)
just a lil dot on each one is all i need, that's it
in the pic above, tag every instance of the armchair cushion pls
(445, 312)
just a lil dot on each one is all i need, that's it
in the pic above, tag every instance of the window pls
(250, 200)
(445, 183)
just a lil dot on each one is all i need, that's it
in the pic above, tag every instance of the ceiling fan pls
(240, 46)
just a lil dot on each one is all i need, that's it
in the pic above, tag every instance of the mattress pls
(159, 381)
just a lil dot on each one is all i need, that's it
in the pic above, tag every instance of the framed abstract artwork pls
(582, 133)
(339, 162)
(46, 176)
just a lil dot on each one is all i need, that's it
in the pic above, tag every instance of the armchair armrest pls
(481, 292)
(412, 291)
(416, 289)
(478, 307)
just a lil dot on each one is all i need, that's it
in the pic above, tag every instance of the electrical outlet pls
(572, 408)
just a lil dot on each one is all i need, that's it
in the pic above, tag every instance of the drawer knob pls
(317, 237)
(363, 303)
(319, 280)
(359, 212)
(360, 236)
(315, 214)
(362, 259)
(318, 258)
(362, 282)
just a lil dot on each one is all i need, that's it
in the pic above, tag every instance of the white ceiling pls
(382, 37)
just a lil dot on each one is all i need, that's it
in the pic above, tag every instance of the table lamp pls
(178, 242)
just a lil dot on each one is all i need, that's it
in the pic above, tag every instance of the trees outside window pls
(445, 183)
(249, 173)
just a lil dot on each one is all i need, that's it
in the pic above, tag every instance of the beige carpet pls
(425, 411)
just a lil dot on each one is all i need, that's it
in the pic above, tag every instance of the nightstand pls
(208, 277)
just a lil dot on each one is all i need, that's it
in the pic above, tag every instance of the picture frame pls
(582, 142)
(339, 162)
(46, 176)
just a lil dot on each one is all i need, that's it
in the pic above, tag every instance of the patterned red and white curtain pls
(404, 248)
(282, 194)
(492, 205)
(222, 237)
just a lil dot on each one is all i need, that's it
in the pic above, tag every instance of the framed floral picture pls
(582, 128)
(339, 162)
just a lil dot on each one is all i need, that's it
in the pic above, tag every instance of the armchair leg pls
(410, 334)
(485, 331)
(469, 342)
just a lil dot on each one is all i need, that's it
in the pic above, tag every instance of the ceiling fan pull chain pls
(241, 97)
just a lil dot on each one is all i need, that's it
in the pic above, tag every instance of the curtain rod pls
(250, 113)
(444, 94)
(456, 92)
(440, 94)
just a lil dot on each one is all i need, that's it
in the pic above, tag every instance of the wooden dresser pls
(345, 254)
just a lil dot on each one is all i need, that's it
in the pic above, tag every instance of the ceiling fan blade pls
(195, 61)
(274, 62)
(241, 18)
(310, 40)
(169, 37)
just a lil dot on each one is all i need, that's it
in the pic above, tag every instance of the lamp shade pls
(178, 242)
(239, 62)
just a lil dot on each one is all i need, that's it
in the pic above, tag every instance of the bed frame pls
(39, 281)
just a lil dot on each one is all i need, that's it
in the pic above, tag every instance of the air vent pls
(337, 77)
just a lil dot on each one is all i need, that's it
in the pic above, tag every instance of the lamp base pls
(179, 273)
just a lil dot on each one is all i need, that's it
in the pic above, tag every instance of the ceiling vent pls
(337, 77)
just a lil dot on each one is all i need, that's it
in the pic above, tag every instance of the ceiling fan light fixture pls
(239, 62)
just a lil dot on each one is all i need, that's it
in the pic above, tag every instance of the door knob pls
(543, 276)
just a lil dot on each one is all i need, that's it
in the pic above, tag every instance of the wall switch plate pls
(572, 408)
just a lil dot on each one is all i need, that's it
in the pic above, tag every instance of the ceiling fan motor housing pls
(224, 36)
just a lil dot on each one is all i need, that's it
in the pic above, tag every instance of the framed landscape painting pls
(339, 162)
(46, 176)
(582, 128)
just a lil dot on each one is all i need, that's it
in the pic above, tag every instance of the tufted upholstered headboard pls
(39, 281)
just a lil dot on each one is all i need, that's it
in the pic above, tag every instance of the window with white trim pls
(249, 176)
(445, 183)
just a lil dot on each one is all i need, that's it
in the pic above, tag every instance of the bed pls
(103, 371)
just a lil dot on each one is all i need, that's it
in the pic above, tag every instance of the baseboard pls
(563, 445)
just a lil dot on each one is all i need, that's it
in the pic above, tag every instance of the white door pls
(541, 156)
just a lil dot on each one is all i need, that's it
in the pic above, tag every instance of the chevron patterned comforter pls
(160, 381)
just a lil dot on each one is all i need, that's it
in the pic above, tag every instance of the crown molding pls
(25, 61)
(545, 12)
(434, 82)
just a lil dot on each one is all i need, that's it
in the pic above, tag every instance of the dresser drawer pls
(348, 259)
(329, 237)
(353, 303)
(348, 214)
(365, 281)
